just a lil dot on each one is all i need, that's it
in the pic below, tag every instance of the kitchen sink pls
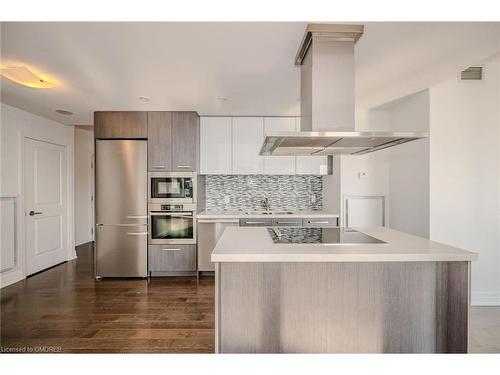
(269, 213)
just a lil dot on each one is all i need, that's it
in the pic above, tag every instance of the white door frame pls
(70, 245)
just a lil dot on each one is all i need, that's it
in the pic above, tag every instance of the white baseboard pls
(11, 277)
(485, 299)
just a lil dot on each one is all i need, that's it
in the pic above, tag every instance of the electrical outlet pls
(313, 198)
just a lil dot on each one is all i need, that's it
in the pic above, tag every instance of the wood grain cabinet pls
(185, 141)
(173, 141)
(172, 258)
(160, 141)
(120, 125)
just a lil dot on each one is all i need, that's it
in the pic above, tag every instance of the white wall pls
(409, 167)
(14, 125)
(465, 174)
(84, 149)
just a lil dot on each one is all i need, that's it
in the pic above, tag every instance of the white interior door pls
(45, 204)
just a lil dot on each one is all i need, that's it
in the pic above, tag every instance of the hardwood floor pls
(65, 309)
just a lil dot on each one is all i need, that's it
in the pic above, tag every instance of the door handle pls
(31, 213)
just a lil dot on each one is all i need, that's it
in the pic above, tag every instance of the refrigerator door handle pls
(137, 233)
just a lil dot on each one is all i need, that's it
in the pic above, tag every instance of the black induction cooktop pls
(339, 236)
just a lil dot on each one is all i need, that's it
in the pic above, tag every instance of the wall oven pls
(172, 223)
(172, 187)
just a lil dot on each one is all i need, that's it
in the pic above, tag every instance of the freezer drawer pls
(121, 250)
(320, 222)
(259, 222)
(287, 222)
(172, 258)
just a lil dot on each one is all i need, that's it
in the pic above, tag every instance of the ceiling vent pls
(473, 73)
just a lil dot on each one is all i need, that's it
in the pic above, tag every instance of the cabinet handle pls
(159, 166)
(184, 167)
(31, 213)
(170, 249)
(286, 222)
(318, 222)
(254, 222)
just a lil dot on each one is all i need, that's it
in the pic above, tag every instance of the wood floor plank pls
(65, 307)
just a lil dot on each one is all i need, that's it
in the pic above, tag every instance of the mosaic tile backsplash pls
(246, 192)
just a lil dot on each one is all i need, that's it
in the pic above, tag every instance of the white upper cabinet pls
(317, 165)
(215, 145)
(279, 164)
(231, 145)
(248, 135)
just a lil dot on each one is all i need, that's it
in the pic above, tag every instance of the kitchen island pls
(279, 294)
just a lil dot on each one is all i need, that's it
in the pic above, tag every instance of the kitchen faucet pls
(266, 202)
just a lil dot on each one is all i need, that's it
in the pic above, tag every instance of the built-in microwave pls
(172, 187)
(172, 223)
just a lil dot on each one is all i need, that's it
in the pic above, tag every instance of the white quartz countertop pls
(254, 244)
(242, 214)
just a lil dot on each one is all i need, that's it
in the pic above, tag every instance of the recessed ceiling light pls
(64, 112)
(26, 77)
(143, 98)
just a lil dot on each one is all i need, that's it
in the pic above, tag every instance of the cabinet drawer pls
(255, 222)
(319, 222)
(287, 222)
(172, 258)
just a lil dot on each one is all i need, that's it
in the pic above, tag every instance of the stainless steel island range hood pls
(326, 60)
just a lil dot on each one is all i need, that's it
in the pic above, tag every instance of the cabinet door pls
(185, 141)
(248, 136)
(215, 145)
(317, 165)
(279, 164)
(160, 141)
(109, 125)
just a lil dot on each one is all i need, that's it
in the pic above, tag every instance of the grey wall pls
(245, 192)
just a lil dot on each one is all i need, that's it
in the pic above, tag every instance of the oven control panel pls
(172, 207)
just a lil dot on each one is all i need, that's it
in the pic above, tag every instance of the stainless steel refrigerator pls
(121, 208)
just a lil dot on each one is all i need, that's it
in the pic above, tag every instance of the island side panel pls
(335, 307)
(458, 307)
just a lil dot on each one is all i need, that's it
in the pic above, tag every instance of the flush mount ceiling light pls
(24, 76)
(64, 112)
(144, 99)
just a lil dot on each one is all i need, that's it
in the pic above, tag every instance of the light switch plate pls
(363, 175)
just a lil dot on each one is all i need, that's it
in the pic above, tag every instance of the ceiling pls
(217, 68)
